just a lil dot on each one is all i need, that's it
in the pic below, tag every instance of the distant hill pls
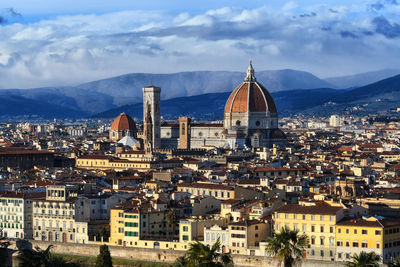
(91, 98)
(361, 79)
(107, 98)
(370, 99)
(127, 89)
(20, 107)
(211, 106)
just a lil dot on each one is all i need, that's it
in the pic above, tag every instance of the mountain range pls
(192, 94)
(370, 99)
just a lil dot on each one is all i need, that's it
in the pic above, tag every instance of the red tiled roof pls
(123, 122)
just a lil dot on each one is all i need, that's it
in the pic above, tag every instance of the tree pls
(200, 255)
(364, 259)
(104, 257)
(287, 246)
(4, 253)
(172, 219)
(34, 257)
(395, 263)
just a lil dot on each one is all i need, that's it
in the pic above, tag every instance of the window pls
(378, 245)
(355, 244)
(312, 240)
(347, 231)
(331, 218)
(185, 237)
(322, 228)
(277, 215)
(295, 216)
(377, 232)
(339, 230)
(304, 217)
(322, 253)
(355, 231)
(321, 241)
(312, 217)
(339, 255)
(312, 228)
(185, 228)
(331, 229)
(322, 218)
(364, 244)
(303, 227)
(364, 232)
(347, 243)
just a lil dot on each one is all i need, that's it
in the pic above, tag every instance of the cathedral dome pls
(123, 122)
(250, 96)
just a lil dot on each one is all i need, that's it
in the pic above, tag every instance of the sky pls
(67, 42)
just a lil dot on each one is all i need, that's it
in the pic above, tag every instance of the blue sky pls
(45, 43)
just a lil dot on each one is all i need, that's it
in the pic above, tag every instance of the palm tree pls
(34, 257)
(200, 255)
(287, 246)
(395, 263)
(364, 259)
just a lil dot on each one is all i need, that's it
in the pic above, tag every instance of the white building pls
(335, 121)
(15, 215)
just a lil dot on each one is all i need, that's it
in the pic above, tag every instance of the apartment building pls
(315, 219)
(369, 234)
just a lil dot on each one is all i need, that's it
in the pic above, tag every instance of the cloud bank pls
(327, 40)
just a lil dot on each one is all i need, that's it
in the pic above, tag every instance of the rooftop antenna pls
(151, 79)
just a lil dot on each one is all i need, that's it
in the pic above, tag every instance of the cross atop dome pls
(250, 74)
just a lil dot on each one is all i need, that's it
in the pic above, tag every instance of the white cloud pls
(324, 39)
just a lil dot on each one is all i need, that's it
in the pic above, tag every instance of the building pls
(317, 220)
(215, 232)
(216, 190)
(122, 126)
(368, 234)
(151, 101)
(54, 215)
(250, 120)
(245, 236)
(24, 159)
(335, 121)
(16, 215)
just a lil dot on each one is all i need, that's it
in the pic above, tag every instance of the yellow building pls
(216, 190)
(103, 162)
(245, 236)
(315, 219)
(369, 234)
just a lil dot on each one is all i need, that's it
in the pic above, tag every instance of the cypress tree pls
(104, 257)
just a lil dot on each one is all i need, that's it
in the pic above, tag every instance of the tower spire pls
(250, 74)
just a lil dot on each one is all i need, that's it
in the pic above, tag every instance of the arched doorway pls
(50, 236)
(64, 237)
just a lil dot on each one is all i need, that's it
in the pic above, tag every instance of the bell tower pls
(151, 99)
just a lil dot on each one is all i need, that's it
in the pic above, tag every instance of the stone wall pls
(168, 256)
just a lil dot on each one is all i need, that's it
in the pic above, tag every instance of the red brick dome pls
(123, 122)
(250, 96)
